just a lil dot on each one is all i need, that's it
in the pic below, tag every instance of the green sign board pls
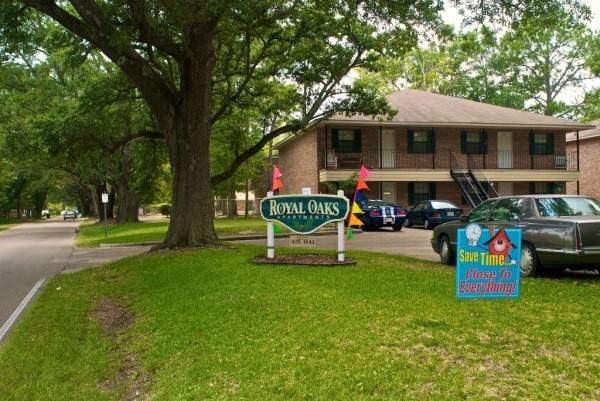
(304, 214)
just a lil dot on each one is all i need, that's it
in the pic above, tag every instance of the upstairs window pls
(473, 142)
(346, 140)
(421, 142)
(541, 143)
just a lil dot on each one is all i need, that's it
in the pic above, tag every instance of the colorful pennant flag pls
(364, 173)
(361, 184)
(349, 236)
(276, 181)
(354, 221)
(276, 229)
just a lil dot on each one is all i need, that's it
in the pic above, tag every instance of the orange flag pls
(276, 181)
(361, 184)
(354, 221)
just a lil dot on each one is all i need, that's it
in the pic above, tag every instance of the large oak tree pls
(193, 60)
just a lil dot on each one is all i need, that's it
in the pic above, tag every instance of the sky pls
(452, 17)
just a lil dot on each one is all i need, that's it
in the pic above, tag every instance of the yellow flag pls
(356, 208)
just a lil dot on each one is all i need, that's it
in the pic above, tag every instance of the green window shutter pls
(484, 142)
(357, 143)
(551, 143)
(431, 142)
(411, 193)
(532, 187)
(463, 142)
(432, 190)
(410, 141)
(334, 139)
(531, 142)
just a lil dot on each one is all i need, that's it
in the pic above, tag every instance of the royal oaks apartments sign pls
(304, 214)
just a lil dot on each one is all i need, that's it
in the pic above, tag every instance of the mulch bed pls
(302, 260)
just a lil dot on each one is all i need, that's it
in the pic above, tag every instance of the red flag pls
(361, 184)
(364, 173)
(276, 181)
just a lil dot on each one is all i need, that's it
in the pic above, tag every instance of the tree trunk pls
(128, 205)
(188, 140)
(129, 202)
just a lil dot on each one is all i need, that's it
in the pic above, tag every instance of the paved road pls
(31, 253)
(413, 241)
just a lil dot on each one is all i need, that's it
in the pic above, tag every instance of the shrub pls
(165, 210)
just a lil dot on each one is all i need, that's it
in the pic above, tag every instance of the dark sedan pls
(69, 214)
(380, 213)
(558, 231)
(430, 213)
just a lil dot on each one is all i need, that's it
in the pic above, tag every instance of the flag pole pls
(270, 235)
(341, 237)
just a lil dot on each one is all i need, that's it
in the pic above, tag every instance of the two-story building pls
(586, 144)
(435, 147)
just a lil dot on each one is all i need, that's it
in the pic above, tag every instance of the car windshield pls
(566, 206)
(443, 205)
(481, 212)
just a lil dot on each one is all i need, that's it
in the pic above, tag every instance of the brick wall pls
(589, 154)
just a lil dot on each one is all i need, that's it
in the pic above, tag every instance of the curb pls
(227, 238)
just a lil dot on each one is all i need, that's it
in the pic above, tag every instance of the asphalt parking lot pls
(414, 241)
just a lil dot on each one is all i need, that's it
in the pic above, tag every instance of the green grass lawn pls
(93, 234)
(209, 324)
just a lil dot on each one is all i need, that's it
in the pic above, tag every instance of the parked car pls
(430, 213)
(46, 214)
(69, 214)
(379, 213)
(558, 231)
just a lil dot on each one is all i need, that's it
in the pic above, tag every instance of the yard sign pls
(304, 214)
(488, 262)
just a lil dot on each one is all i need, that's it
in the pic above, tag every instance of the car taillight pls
(436, 214)
(375, 212)
(400, 212)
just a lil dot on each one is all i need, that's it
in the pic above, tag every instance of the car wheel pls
(407, 223)
(397, 228)
(447, 256)
(427, 224)
(529, 261)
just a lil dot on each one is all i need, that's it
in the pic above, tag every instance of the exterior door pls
(388, 192)
(505, 150)
(505, 188)
(388, 149)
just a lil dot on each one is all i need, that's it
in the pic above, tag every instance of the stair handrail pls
(457, 169)
(480, 177)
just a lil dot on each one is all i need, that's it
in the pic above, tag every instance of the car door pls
(417, 215)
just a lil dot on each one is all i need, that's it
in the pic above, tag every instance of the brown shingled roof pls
(590, 133)
(419, 108)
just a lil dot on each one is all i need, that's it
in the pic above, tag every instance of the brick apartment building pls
(433, 138)
(587, 145)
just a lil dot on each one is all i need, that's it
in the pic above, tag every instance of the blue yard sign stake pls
(488, 262)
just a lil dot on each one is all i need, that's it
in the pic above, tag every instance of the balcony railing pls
(443, 160)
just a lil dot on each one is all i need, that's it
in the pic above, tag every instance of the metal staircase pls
(470, 185)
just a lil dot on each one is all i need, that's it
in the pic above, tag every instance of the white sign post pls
(105, 201)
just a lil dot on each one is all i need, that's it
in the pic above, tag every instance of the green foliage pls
(165, 209)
